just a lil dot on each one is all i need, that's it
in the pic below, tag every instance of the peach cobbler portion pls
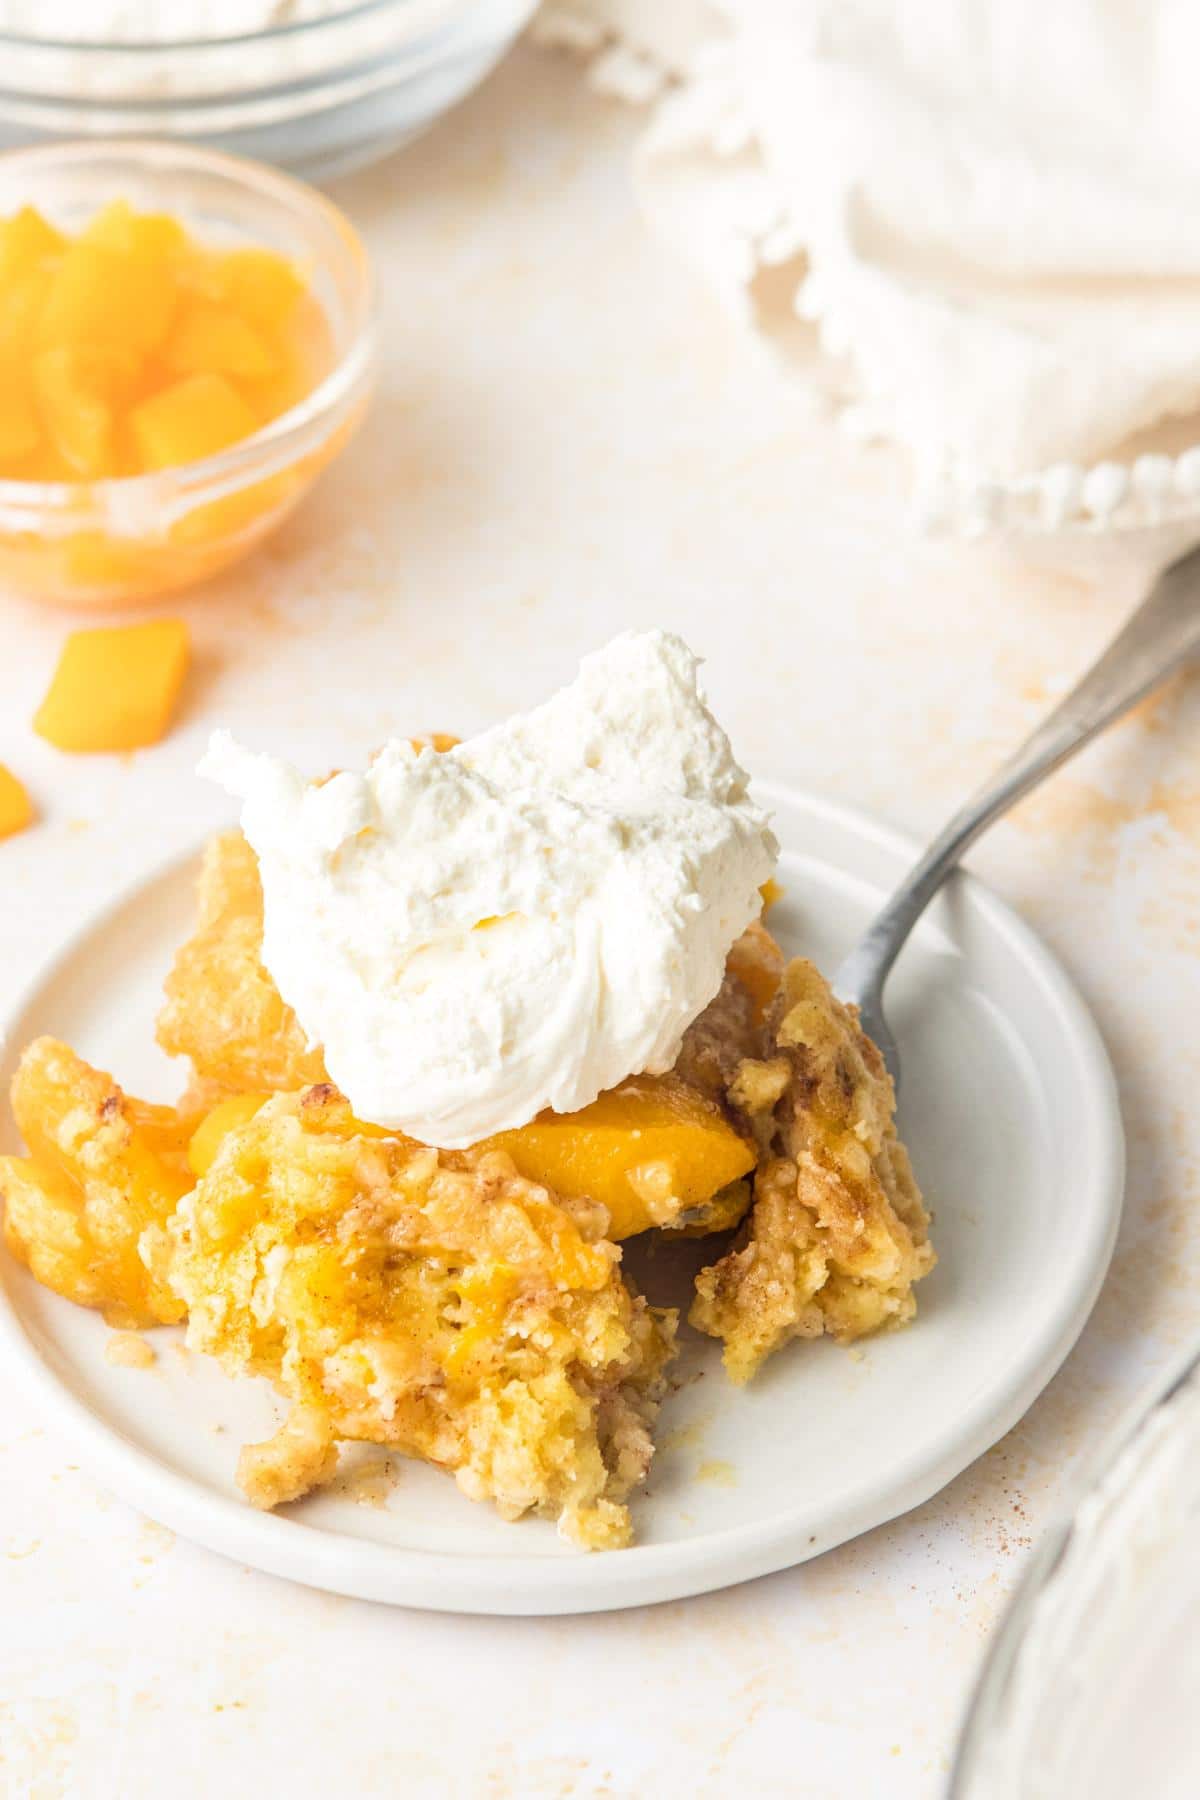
(468, 1308)
(223, 1011)
(838, 1232)
(101, 1169)
(439, 1304)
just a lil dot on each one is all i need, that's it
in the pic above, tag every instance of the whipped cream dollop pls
(522, 921)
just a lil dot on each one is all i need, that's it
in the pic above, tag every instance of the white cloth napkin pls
(998, 202)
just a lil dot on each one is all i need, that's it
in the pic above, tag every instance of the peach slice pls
(208, 339)
(102, 1168)
(653, 1151)
(78, 387)
(262, 286)
(228, 1115)
(153, 237)
(20, 433)
(16, 808)
(194, 418)
(97, 296)
(26, 241)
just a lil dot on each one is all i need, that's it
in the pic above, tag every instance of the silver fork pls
(1162, 636)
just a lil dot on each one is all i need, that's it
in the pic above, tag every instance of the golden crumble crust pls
(223, 1010)
(730, 1028)
(101, 1168)
(445, 1305)
(838, 1232)
(437, 1304)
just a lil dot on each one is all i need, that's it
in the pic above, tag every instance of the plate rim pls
(518, 1584)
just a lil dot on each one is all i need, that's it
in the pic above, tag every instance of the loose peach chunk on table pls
(16, 808)
(115, 687)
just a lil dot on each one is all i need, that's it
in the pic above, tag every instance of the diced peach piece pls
(230, 1115)
(215, 1127)
(260, 284)
(16, 808)
(115, 688)
(21, 302)
(195, 417)
(42, 464)
(130, 348)
(152, 236)
(208, 339)
(650, 1150)
(93, 559)
(270, 396)
(20, 433)
(200, 271)
(79, 388)
(26, 241)
(102, 1168)
(98, 296)
(304, 352)
(222, 521)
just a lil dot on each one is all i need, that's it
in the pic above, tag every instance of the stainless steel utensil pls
(1162, 637)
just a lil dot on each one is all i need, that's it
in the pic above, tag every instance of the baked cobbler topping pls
(467, 1304)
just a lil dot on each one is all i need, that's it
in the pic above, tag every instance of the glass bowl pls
(318, 96)
(110, 542)
(1089, 1690)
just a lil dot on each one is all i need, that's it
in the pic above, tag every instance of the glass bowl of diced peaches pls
(186, 341)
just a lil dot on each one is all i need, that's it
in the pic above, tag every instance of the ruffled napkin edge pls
(738, 225)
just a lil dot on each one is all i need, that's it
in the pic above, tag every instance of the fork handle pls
(1161, 637)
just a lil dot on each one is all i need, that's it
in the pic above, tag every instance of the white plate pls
(1010, 1109)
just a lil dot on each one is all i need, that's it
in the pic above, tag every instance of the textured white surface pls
(570, 440)
(975, 205)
